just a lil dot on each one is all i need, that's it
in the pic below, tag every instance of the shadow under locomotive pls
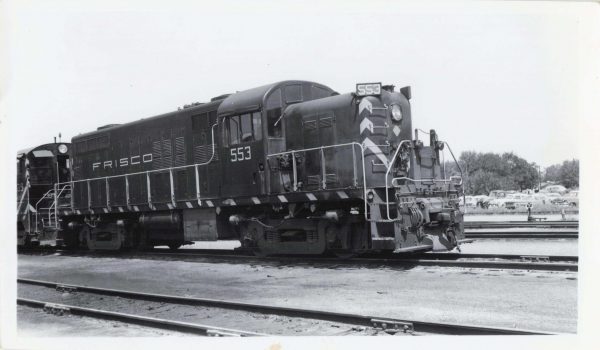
(286, 168)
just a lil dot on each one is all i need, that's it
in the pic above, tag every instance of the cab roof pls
(253, 99)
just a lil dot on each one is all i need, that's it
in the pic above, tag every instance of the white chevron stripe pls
(189, 205)
(105, 210)
(210, 203)
(365, 103)
(255, 200)
(121, 209)
(342, 194)
(169, 205)
(366, 124)
(282, 199)
(369, 145)
(135, 207)
(311, 196)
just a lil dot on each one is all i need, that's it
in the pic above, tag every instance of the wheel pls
(85, 236)
(174, 246)
(258, 253)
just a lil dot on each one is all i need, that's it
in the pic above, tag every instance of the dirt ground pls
(560, 246)
(544, 301)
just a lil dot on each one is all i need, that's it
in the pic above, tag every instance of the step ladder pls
(46, 209)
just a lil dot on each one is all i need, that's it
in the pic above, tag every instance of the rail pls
(186, 327)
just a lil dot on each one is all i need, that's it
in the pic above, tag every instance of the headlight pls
(396, 113)
(63, 148)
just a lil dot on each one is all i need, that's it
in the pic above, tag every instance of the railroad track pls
(383, 324)
(458, 260)
(480, 234)
(483, 261)
(528, 224)
(184, 327)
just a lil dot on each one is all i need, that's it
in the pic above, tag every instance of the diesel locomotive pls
(291, 167)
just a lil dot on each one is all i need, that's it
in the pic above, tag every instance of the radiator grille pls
(203, 153)
(310, 125)
(179, 151)
(325, 122)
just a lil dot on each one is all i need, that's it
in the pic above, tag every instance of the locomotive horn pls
(406, 92)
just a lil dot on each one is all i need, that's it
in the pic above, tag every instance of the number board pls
(240, 154)
(368, 89)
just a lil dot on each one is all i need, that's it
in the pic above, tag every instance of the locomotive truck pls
(291, 167)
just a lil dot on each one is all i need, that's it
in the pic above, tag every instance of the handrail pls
(55, 204)
(387, 202)
(315, 148)
(387, 173)
(147, 172)
(322, 148)
(459, 169)
(25, 191)
(450, 179)
(45, 196)
(153, 170)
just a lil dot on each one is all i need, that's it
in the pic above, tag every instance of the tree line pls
(484, 172)
(567, 173)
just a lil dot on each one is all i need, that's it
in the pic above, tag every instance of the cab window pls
(257, 126)
(274, 108)
(244, 128)
(234, 130)
(293, 94)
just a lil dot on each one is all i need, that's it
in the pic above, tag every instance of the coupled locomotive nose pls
(410, 202)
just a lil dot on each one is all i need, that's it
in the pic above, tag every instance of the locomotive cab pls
(252, 126)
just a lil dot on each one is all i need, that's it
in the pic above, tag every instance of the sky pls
(489, 77)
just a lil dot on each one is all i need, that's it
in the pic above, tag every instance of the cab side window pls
(274, 109)
(234, 130)
(243, 128)
(257, 126)
(246, 127)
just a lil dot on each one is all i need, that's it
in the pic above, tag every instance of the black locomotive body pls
(290, 167)
(39, 170)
